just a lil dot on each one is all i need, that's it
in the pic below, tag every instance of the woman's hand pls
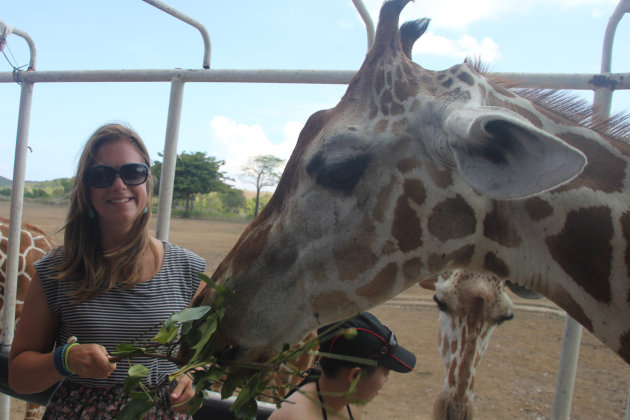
(90, 361)
(182, 393)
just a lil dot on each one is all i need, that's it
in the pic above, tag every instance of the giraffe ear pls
(505, 157)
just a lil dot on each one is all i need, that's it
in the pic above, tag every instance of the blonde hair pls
(93, 270)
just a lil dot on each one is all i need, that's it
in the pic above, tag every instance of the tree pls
(261, 171)
(232, 200)
(195, 173)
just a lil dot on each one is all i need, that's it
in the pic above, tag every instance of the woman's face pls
(118, 205)
(369, 385)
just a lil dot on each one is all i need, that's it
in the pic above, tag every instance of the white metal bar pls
(367, 19)
(167, 177)
(566, 372)
(15, 224)
(184, 18)
(603, 95)
(571, 81)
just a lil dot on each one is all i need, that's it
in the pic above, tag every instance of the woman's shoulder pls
(177, 253)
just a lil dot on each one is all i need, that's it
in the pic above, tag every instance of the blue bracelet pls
(58, 356)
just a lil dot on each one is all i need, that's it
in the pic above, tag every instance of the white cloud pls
(235, 143)
(465, 46)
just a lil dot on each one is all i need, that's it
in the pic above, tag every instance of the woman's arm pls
(31, 365)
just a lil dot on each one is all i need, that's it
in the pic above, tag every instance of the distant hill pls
(5, 182)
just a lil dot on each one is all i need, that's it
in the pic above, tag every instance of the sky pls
(233, 122)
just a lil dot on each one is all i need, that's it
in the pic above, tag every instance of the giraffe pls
(34, 243)
(415, 172)
(471, 306)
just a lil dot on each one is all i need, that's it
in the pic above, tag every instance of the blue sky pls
(235, 121)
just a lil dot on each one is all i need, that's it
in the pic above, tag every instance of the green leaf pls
(230, 385)
(167, 334)
(136, 409)
(138, 371)
(127, 350)
(202, 349)
(190, 314)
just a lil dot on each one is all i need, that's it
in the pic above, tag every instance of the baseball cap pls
(372, 340)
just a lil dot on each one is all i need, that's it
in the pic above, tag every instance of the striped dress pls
(119, 316)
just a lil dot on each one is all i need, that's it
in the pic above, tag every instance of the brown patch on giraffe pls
(334, 299)
(381, 285)
(496, 265)
(604, 172)
(373, 110)
(411, 269)
(406, 165)
(460, 257)
(500, 229)
(453, 218)
(442, 179)
(381, 126)
(444, 346)
(574, 309)
(493, 100)
(388, 106)
(405, 87)
(583, 249)
(352, 259)
(538, 209)
(466, 78)
(407, 228)
(448, 83)
(625, 230)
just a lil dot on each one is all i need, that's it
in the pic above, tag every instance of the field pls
(515, 380)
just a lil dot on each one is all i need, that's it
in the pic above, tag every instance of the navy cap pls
(372, 340)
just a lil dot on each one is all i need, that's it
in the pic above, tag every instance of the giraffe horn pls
(410, 32)
(387, 29)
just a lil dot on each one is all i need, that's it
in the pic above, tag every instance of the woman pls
(344, 386)
(110, 283)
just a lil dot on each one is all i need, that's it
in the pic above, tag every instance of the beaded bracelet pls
(67, 348)
(58, 357)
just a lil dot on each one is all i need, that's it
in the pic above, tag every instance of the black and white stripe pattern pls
(125, 316)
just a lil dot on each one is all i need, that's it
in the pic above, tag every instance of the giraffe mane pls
(562, 103)
(578, 110)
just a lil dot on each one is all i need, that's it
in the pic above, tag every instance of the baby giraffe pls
(471, 306)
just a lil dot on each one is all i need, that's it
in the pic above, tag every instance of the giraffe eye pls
(442, 306)
(505, 318)
(341, 175)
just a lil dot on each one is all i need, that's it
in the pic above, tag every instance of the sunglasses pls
(103, 176)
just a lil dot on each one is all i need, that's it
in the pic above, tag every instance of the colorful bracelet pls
(66, 350)
(58, 357)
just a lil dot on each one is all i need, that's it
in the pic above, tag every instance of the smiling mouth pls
(121, 200)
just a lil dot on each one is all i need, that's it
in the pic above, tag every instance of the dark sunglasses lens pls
(101, 176)
(134, 173)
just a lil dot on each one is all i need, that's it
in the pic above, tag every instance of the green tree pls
(233, 200)
(6, 191)
(156, 172)
(196, 173)
(261, 171)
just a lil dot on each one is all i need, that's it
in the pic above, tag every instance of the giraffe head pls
(471, 306)
(414, 172)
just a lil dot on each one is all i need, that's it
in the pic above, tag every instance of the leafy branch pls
(198, 325)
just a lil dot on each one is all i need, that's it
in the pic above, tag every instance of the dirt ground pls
(515, 380)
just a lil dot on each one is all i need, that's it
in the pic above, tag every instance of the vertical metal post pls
(167, 178)
(603, 95)
(566, 371)
(15, 224)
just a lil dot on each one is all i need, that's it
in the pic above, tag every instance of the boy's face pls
(369, 385)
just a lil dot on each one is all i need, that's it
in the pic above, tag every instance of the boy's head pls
(362, 337)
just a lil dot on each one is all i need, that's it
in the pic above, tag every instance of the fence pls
(603, 84)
